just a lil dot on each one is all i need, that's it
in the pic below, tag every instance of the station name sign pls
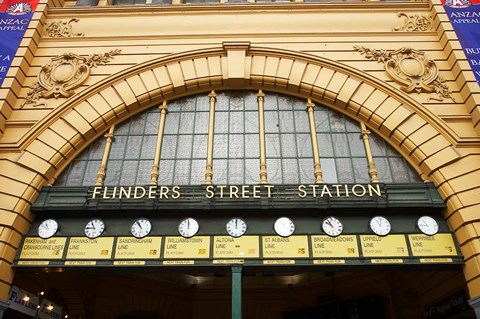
(236, 191)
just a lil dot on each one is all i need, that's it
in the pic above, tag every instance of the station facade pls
(239, 160)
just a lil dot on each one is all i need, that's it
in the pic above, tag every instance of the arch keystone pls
(236, 57)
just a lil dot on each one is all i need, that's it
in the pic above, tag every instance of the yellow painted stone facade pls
(301, 49)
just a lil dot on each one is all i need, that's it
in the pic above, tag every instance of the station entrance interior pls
(266, 293)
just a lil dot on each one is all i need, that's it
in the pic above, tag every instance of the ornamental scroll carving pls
(415, 23)
(411, 69)
(65, 73)
(61, 29)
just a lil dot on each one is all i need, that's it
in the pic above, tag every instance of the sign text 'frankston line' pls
(234, 191)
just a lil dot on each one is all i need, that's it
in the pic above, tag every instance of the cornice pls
(276, 7)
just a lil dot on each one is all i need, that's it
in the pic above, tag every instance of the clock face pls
(380, 226)
(332, 226)
(236, 227)
(188, 227)
(284, 226)
(141, 228)
(427, 225)
(47, 228)
(94, 228)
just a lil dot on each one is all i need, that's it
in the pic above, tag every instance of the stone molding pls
(415, 23)
(65, 73)
(411, 69)
(61, 29)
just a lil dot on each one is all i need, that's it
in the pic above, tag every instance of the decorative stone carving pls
(411, 69)
(415, 23)
(61, 29)
(64, 74)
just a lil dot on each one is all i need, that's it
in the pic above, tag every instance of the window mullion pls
(106, 153)
(261, 121)
(371, 163)
(316, 154)
(211, 127)
(158, 148)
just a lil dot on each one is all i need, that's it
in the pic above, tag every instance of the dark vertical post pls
(236, 292)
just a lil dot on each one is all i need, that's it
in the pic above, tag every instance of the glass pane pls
(274, 171)
(270, 102)
(302, 124)
(186, 122)
(148, 146)
(340, 145)
(236, 146)
(166, 172)
(360, 166)
(399, 170)
(235, 171)
(306, 171)
(113, 173)
(289, 147)
(184, 147)
(325, 146)
(322, 123)
(221, 122)
(203, 103)
(383, 169)
(220, 145)
(134, 144)
(200, 146)
(252, 171)
(344, 170)
(198, 172)
(304, 145)
(118, 147)
(357, 147)
(329, 170)
(182, 172)
(220, 171)
(236, 122)
(96, 149)
(251, 101)
(137, 125)
(129, 173)
(252, 145)
(76, 173)
(153, 121)
(143, 173)
(286, 122)
(272, 146)
(171, 123)
(201, 122)
(251, 122)
(271, 122)
(169, 147)
(290, 171)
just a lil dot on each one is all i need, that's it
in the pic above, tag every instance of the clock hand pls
(139, 225)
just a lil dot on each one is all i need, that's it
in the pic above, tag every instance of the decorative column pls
(261, 125)
(211, 126)
(106, 153)
(371, 164)
(237, 292)
(158, 147)
(313, 132)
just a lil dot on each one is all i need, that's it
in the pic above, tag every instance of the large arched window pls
(297, 146)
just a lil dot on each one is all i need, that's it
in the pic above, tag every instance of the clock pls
(427, 225)
(47, 228)
(284, 226)
(188, 227)
(94, 228)
(332, 226)
(141, 228)
(236, 227)
(380, 225)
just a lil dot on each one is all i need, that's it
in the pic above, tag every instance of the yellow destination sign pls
(279, 262)
(84, 248)
(334, 247)
(436, 245)
(285, 247)
(180, 248)
(38, 248)
(138, 248)
(436, 260)
(229, 247)
(388, 246)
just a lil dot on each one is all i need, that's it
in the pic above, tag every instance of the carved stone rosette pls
(411, 69)
(415, 23)
(61, 29)
(64, 74)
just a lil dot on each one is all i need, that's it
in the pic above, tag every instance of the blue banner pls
(15, 16)
(465, 18)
